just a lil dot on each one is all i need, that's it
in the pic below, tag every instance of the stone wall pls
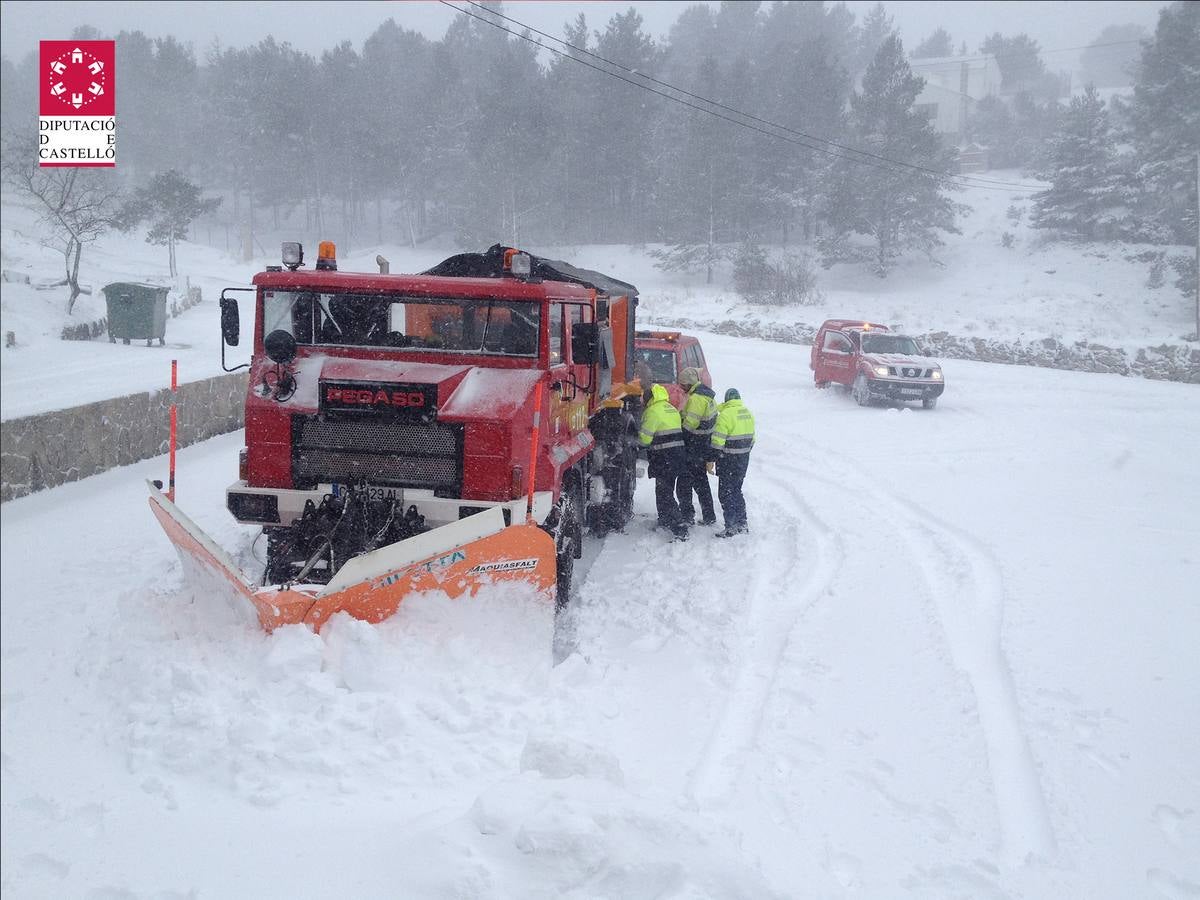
(1166, 362)
(65, 445)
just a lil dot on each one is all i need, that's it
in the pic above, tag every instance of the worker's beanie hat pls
(732, 394)
(689, 376)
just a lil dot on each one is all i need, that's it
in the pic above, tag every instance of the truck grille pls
(910, 372)
(376, 451)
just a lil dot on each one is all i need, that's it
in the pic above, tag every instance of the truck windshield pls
(889, 343)
(492, 326)
(661, 363)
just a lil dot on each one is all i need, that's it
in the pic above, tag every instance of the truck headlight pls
(881, 370)
(937, 375)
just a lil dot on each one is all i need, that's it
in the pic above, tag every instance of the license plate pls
(911, 392)
(372, 492)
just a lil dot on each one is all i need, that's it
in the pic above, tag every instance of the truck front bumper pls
(905, 389)
(280, 507)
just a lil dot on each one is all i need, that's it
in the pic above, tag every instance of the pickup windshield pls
(889, 343)
(492, 326)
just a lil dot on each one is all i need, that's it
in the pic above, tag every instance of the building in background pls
(952, 86)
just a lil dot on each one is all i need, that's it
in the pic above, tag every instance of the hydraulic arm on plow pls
(440, 431)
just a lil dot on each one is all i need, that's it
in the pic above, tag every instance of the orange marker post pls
(174, 388)
(533, 445)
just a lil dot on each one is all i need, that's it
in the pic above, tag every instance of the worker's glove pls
(641, 468)
(710, 467)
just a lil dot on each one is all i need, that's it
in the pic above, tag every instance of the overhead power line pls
(868, 158)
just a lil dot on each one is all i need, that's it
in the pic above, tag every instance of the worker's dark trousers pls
(695, 479)
(731, 472)
(664, 499)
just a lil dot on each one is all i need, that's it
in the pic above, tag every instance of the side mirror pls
(584, 343)
(280, 346)
(230, 323)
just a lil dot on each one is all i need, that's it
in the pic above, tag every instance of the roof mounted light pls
(327, 256)
(293, 255)
(518, 263)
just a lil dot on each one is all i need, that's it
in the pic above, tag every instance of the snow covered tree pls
(77, 204)
(936, 45)
(1089, 196)
(1021, 68)
(790, 178)
(877, 27)
(171, 203)
(899, 207)
(1165, 117)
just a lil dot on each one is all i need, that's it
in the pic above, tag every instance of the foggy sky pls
(316, 26)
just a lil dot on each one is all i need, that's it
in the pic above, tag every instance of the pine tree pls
(171, 203)
(898, 207)
(936, 45)
(1165, 115)
(876, 28)
(1088, 196)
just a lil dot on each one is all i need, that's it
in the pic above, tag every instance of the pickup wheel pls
(929, 402)
(860, 391)
(821, 385)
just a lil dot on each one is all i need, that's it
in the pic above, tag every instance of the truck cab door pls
(583, 375)
(561, 390)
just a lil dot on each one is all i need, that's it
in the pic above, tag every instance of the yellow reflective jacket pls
(734, 431)
(699, 410)
(661, 425)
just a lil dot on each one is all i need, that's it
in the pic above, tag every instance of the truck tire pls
(860, 391)
(568, 539)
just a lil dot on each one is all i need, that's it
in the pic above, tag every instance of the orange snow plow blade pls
(457, 559)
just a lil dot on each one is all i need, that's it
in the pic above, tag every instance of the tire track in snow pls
(771, 621)
(968, 595)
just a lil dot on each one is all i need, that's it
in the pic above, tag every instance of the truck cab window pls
(556, 338)
(448, 324)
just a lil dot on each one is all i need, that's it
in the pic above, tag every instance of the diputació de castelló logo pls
(77, 104)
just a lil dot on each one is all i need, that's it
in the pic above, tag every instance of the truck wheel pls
(860, 391)
(568, 542)
(929, 402)
(821, 385)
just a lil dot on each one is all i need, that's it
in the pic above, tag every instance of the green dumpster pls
(137, 311)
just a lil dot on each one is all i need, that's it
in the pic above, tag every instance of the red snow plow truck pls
(438, 431)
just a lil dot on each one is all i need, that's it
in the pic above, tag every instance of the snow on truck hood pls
(464, 391)
(899, 359)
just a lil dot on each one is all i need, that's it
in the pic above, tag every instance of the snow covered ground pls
(955, 658)
(978, 288)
